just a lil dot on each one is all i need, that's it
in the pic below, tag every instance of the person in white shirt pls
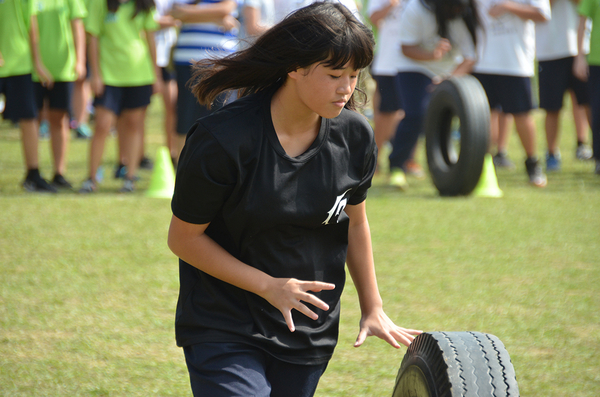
(556, 48)
(387, 105)
(438, 38)
(505, 68)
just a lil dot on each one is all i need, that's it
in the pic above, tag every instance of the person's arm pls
(377, 16)
(419, 53)
(252, 21)
(94, 61)
(158, 81)
(43, 73)
(189, 242)
(580, 64)
(198, 13)
(523, 11)
(374, 322)
(79, 41)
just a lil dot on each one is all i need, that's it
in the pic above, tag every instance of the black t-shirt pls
(279, 214)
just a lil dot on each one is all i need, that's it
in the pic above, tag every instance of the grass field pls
(88, 285)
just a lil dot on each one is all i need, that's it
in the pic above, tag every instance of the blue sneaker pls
(553, 162)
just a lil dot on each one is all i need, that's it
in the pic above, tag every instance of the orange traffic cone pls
(162, 181)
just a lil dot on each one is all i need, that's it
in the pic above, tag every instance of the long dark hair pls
(321, 32)
(140, 6)
(446, 10)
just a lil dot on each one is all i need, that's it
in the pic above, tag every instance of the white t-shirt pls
(418, 26)
(508, 41)
(557, 38)
(266, 10)
(164, 38)
(388, 39)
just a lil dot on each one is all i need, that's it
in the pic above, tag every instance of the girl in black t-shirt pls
(269, 205)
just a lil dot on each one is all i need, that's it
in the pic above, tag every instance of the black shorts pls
(20, 97)
(509, 94)
(389, 92)
(117, 99)
(59, 96)
(555, 78)
(167, 74)
(188, 108)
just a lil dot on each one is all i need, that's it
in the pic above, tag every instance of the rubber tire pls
(456, 364)
(465, 98)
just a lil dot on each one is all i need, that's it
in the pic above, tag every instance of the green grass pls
(88, 285)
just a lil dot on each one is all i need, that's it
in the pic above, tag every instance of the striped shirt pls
(198, 41)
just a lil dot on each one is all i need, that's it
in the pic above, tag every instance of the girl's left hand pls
(379, 324)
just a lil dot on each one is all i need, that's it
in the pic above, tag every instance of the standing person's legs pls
(130, 128)
(415, 97)
(169, 96)
(594, 89)
(235, 369)
(105, 119)
(387, 108)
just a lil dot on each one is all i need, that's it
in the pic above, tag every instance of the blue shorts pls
(555, 78)
(167, 74)
(509, 94)
(389, 92)
(117, 99)
(59, 96)
(237, 369)
(188, 108)
(20, 98)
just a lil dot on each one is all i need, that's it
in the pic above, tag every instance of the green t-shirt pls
(14, 37)
(123, 49)
(57, 46)
(591, 9)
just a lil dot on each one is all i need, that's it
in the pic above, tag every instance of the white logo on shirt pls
(338, 207)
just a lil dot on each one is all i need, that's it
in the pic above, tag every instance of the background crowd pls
(62, 59)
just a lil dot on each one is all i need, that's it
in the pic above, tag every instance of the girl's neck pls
(296, 125)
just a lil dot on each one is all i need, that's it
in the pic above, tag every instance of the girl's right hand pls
(289, 293)
(442, 48)
(97, 86)
(580, 67)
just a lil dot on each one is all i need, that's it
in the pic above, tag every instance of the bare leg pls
(551, 124)
(104, 121)
(59, 135)
(29, 140)
(130, 129)
(526, 130)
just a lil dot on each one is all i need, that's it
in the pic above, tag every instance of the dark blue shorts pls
(237, 369)
(117, 99)
(188, 108)
(59, 96)
(167, 74)
(509, 94)
(389, 92)
(555, 78)
(20, 98)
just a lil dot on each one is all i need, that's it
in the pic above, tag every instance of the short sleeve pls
(411, 26)
(150, 23)
(77, 9)
(94, 20)
(587, 8)
(370, 164)
(206, 176)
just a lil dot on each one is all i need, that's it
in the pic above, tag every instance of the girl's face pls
(325, 90)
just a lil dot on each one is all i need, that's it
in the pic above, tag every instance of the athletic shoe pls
(584, 152)
(128, 186)
(553, 161)
(120, 171)
(412, 168)
(146, 163)
(83, 131)
(35, 183)
(398, 179)
(88, 186)
(60, 182)
(534, 171)
(501, 160)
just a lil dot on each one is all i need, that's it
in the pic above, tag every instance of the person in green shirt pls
(19, 45)
(123, 63)
(588, 68)
(62, 47)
